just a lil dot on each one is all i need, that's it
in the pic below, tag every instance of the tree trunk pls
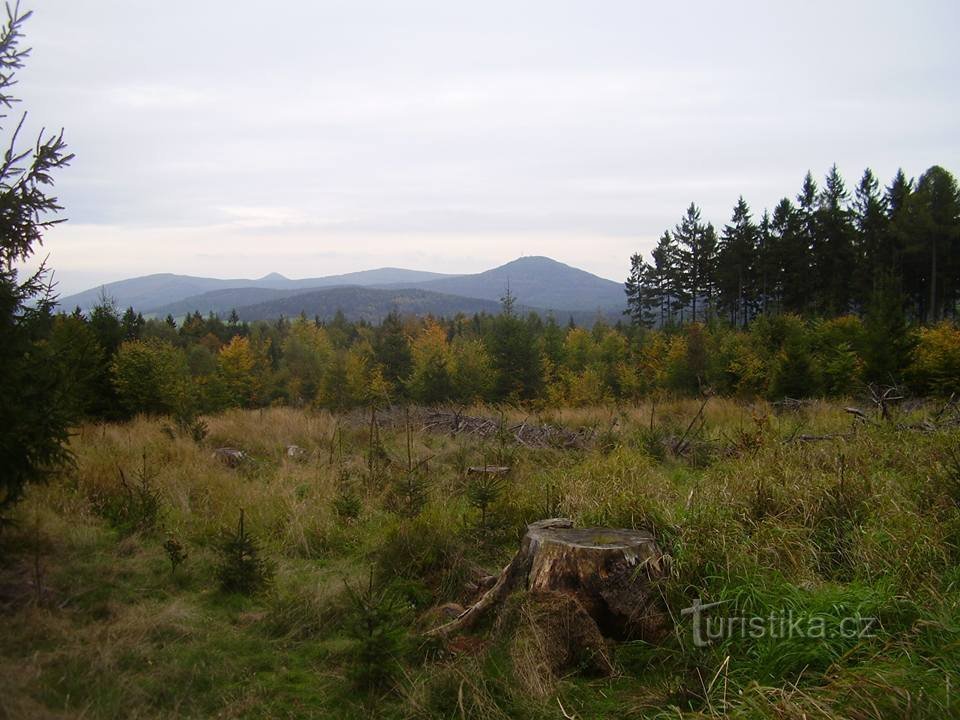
(610, 572)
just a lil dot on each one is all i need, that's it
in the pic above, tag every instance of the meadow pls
(115, 577)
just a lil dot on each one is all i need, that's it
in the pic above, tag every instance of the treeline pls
(121, 365)
(830, 253)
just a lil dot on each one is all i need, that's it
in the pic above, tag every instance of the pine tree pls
(36, 410)
(803, 252)
(887, 341)
(633, 288)
(834, 258)
(664, 279)
(391, 348)
(515, 354)
(766, 254)
(689, 236)
(937, 228)
(737, 266)
(870, 218)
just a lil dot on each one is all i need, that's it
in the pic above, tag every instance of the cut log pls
(495, 470)
(231, 457)
(609, 571)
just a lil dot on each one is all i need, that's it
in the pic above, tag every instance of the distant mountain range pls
(150, 292)
(537, 283)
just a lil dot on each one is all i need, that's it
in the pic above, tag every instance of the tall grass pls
(866, 523)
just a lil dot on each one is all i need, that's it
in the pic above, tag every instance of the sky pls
(309, 137)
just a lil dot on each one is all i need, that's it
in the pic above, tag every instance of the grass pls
(95, 624)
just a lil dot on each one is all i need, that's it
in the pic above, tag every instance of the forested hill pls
(148, 293)
(539, 282)
(369, 304)
(535, 282)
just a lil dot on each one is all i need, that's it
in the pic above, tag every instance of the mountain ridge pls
(536, 282)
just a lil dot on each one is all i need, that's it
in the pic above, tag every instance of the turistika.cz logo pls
(713, 627)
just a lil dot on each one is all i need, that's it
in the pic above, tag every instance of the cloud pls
(332, 136)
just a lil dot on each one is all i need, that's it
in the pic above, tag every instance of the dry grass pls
(753, 517)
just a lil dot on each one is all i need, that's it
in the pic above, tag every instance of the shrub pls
(935, 367)
(241, 569)
(151, 376)
(375, 621)
(137, 506)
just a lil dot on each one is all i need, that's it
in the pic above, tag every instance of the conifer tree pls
(834, 258)
(689, 235)
(870, 218)
(737, 264)
(36, 411)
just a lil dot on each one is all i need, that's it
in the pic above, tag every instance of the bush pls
(137, 506)
(935, 367)
(152, 376)
(241, 569)
(376, 622)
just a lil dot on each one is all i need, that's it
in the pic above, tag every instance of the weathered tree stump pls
(489, 470)
(231, 457)
(610, 572)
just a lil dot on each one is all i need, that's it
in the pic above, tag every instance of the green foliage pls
(483, 490)
(38, 406)
(515, 356)
(375, 621)
(152, 376)
(935, 366)
(431, 377)
(423, 550)
(240, 568)
(176, 553)
(347, 503)
(136, 506)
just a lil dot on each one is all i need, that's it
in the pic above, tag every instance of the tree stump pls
(609, 571)
(231, 457)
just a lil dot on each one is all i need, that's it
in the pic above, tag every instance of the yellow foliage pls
(936, 359)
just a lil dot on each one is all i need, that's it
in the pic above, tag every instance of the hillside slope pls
(536, 282)
(370, 304)
(150, 293)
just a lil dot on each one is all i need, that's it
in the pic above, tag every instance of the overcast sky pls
(311, 137)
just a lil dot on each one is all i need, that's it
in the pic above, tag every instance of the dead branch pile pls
(523, 433)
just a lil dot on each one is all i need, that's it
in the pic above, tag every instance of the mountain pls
(364, 303)
(221, 302)
(149, 292)
(537, 282)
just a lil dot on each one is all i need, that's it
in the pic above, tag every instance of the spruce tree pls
(834, 258)
(633, 288)
(737, 266)
(870, 218)
(689, 237)
(937, 230)
(36, 410)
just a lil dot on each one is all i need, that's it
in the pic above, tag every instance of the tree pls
(870, 218)
(738, 264)
(887, 339)
(431, 380)
(306, 355)
(152, 376)
(36, 410)
(690, 235)
(515, 355)
(634, 287)
(472, 374)
(392, 349)
(834, 259)
(937, 227)
(236, 369)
